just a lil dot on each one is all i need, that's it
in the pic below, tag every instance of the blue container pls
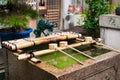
(117, 11)
(15, 35)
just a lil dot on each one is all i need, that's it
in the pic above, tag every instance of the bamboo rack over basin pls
(23, 43)
(47, 51)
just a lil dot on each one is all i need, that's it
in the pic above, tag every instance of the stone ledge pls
(110, 21)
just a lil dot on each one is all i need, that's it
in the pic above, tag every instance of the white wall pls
(66, 3)
(73, 17)
(64, 9)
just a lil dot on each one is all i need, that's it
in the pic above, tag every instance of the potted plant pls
(95, 9)
(14, 18)
(117, 11)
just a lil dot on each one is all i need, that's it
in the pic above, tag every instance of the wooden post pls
(88, 39)
(63, 43)
(52, 46)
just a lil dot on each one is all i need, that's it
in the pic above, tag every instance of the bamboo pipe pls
(19, 51)
(53, 46)
(37, 41)
(108, 47)
(9, 43)
(81, 53)
(70, 56)
(47, 51)
(35, 60)
(65, 44)
(15, 43)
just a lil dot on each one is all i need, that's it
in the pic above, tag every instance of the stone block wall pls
(106, 67)
(110, 30)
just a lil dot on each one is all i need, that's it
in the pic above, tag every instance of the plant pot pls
(15, 35)
(117, 11)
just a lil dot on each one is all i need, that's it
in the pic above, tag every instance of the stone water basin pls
(58, 66)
